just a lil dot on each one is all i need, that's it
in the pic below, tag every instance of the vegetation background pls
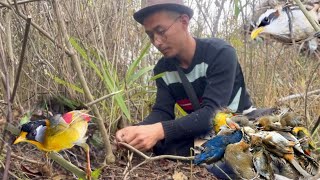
(116, 57)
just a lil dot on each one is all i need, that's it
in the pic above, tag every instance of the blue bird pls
(214, 148)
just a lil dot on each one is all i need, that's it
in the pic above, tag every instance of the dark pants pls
(178, 148)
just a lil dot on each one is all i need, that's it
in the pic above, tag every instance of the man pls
(209, 64)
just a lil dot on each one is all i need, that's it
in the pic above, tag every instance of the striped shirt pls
(217, 79)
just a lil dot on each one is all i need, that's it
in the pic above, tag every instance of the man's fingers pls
(135, 142)
(119, 135)
(129, 137)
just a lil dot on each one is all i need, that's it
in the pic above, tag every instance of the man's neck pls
(186, 56)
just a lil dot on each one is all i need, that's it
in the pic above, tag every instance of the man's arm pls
(147, 133)
(220, 79)
(163, 109)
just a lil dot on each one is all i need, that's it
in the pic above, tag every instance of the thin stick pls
(20, 2)
(22, 158)
(294, 96)
(312, 76)
(102, 98)
(315, 127)
(314, 24)
(156, 157)
(24, 45)
(42, 31)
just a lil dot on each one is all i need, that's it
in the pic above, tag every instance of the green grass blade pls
(84, 55)
(137, 75)
(65, 83)
(156, 77)
(136, 62)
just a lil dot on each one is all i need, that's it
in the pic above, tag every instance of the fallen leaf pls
(179, 176)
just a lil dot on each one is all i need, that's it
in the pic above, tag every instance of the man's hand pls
(142, 137)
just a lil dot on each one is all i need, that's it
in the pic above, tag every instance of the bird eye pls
(34, 133)
(266, 19)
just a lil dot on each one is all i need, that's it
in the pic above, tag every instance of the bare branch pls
(19, 2)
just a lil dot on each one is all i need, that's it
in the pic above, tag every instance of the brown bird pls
(280, 146)
(261, 159)
(291, 119)
(239, 158)
(267, 123)
(281, 167)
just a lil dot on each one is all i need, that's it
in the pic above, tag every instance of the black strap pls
(189, 89)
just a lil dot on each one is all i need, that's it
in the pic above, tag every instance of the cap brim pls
(144, 12)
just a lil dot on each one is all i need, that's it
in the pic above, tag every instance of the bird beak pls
(255, 33)
(21, 138)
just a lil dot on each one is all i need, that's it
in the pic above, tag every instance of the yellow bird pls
(58, 133)
(220, 120)
(305, 139)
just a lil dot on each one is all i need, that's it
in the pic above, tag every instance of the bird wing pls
(61, 124)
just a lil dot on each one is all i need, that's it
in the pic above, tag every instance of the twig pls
(24, 45)
(312, 76)
(156, 157)
(134, 168)
(22, 158)
(294, 96)
(12, 174)
(20, 2)
(42, 31)
(10, 98)
(314, 24)
(9, 109)
(102, 98)
(148, 158)
(315, 127)
(223, 171)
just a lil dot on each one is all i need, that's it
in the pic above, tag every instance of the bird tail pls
(297, 166)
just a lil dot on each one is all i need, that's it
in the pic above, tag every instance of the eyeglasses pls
(160, 32)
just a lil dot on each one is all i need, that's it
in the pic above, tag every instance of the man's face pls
(166, 32)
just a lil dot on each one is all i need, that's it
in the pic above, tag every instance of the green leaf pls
(135, 63)
(156, 76)
(67, 84)
(236, 8)
(96, 173)
(25, 119)
(180, 110)
(137, 75)
(84, 55)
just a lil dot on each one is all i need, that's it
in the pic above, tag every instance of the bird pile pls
(266, 147)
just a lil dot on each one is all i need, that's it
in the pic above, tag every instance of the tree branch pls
(110, 158)
(20, 2)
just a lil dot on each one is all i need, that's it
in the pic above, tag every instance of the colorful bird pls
(220, 119)
(58, 133)
(305, 139)
(285, 23)
(213, 149)
(239, 157)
